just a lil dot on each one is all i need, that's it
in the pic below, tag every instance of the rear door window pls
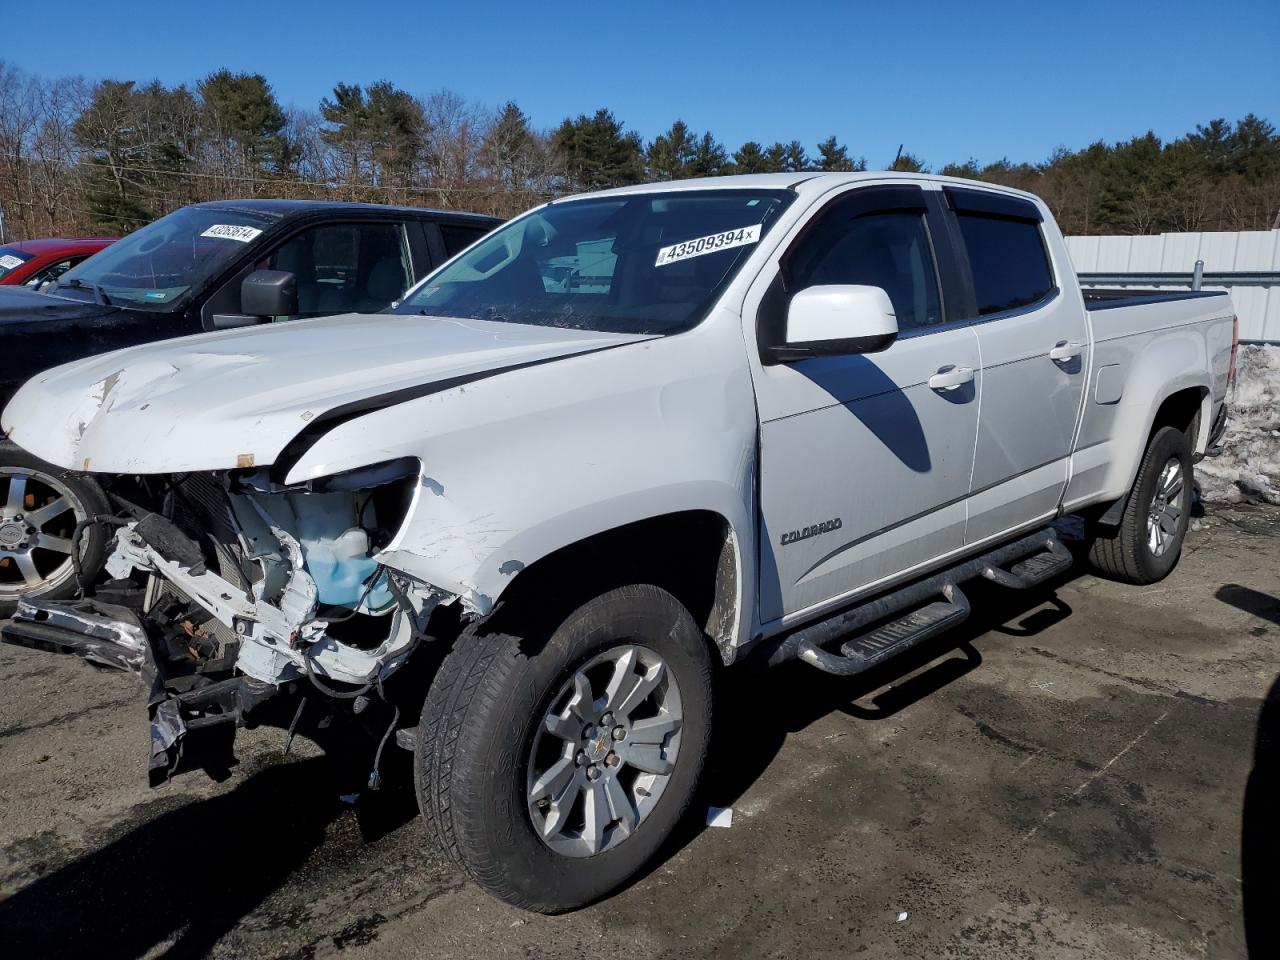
(1009, 261)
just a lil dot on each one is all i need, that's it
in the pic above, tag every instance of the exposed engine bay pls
(240, 600)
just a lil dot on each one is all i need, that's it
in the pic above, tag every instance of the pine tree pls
(670, 154)
(240, 114)
(835, 157)
(597, 153)
(136, 143)
(709, 158)
(794, 157)
(750, 158)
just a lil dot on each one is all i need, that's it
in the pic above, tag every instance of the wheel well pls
(1181, 410)
(692, 555)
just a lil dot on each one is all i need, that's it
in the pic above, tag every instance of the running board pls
(934, 605)
(1035, 569)
(864, 652)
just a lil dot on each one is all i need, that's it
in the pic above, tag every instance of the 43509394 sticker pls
(712, 244)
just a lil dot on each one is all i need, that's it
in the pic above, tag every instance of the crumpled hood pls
(235, 398)
(21, 305)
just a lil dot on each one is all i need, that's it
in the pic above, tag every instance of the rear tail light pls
(1235, 348)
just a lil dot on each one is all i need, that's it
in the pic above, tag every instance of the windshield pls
(11, 259)
(649, 263)
(155, 266)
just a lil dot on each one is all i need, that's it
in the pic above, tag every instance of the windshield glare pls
(648, 263)
(155, 266)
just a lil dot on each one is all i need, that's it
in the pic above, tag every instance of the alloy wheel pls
(604, 751)
(38, 515)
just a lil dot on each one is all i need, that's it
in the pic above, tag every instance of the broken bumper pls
(190, 728)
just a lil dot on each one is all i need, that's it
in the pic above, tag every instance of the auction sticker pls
(712, 244)
(232, 231)
(9, 261)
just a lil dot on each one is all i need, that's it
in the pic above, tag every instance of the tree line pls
(78, 157)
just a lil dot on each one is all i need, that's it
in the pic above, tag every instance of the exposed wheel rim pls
(604, 751)
(38, 514)
(1168, 503)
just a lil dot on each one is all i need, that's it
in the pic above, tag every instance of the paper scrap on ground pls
(720, 816)
(902, 916)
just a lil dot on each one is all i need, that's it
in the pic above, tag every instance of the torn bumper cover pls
(114, 636)
(214, 647)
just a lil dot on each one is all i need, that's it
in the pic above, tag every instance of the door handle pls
(1065, 350)
(948, 378)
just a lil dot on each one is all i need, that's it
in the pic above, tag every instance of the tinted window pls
(458, 238)
(346, 268)
(886, 250)
(1010, 265)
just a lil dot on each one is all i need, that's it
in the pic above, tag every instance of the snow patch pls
(1248, 469)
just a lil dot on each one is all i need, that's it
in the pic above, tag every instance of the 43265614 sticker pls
(712, 244)
(9, 261)
(232, 231)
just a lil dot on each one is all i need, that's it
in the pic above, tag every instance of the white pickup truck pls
(624, 441)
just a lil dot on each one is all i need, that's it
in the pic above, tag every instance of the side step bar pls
(934, 605)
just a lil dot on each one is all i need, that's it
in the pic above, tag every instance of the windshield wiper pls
(75, 283)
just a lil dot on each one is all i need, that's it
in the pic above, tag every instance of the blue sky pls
(981, 79)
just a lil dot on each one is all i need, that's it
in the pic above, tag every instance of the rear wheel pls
(40, 506)
(553, 771)
(1146, 544)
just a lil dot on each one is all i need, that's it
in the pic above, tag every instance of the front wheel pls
(1146, 544)
(552, 772)
(40, 506)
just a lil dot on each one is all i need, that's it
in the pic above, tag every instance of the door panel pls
(1030, 403)
(868, 476)
(1034, 346)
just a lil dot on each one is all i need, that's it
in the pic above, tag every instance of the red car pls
(33, 262)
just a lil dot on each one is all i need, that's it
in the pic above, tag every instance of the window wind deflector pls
(992, 204)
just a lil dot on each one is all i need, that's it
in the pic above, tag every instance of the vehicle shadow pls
(749, 738)
(173, 885)
(1259, 823)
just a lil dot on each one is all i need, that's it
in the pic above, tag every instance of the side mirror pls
(837, 320)
(269, 293)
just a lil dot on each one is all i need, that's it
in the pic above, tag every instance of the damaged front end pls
(239, 600)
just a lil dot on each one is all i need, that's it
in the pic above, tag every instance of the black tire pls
(484, 708)
(1124, 552)
(41, 485)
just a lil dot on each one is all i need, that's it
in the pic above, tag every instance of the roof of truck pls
(801, 181)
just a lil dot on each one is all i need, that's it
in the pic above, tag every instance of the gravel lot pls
(1070, 776)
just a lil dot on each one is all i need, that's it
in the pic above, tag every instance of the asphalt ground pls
(1091, 770)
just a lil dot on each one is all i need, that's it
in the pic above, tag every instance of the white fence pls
(1247, 263)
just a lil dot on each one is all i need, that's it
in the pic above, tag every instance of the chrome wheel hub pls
(14, 534)
(604, 751)
(38, 515)
(1167, 506)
